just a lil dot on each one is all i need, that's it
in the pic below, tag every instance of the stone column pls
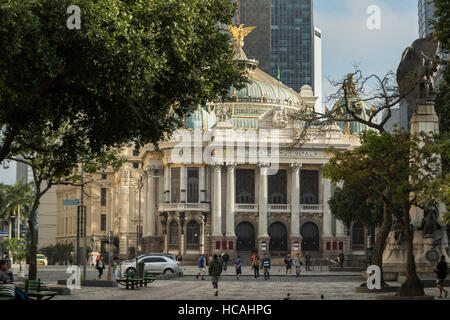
(166, 183)
(217, 202)
(183, 184)
(202, 184)
(295, 207)
(230, 235)
(262, 218)
(327, 218)
(150, 241)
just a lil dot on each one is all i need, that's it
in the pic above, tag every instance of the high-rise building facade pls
(283, 38)
(426, 17)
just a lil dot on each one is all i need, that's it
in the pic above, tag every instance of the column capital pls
(263, 164)
(230, 165)
(217, 166)
(295, 166)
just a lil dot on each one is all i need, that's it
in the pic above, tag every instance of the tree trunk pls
(32, 272)
(412, 286)
(9, 228)
(18, 223)
(380, 240)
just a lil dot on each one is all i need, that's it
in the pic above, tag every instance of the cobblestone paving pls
(237, 290)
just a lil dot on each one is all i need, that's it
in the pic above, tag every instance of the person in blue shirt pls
(201, 267)
(265, 264)
(238, 266)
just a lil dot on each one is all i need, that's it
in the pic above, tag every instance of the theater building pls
(231, 179)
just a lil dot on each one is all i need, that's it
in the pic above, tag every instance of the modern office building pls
(283, 38)
(318, 70)
(426, 17)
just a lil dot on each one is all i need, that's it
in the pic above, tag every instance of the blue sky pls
(346, 40)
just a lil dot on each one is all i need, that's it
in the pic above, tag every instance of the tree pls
(156, 56)
(18, 202)
(406, 166)
(18, 250)
(116, 79)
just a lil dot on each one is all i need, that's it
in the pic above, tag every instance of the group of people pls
(297, 262)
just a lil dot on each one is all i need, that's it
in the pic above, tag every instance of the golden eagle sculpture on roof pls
(239, 34)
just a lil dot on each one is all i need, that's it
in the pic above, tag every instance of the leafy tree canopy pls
(115, 79)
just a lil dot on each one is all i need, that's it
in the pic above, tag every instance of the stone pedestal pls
(213, 241)
(292, 241)
(426, 253)
(152, 244)
(229, 239)
(260, 241)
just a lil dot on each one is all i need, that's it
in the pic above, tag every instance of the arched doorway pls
(245, 233)
(358, 242)
(278, 239)
(173, 235)
(310, 234)
(193, 235)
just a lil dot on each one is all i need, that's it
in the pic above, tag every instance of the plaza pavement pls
(310, 285)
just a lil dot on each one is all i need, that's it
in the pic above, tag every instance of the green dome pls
(265, 89)
(204, 118)
(355, 104)
(361, 109)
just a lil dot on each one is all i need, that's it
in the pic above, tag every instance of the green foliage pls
(115, 79)
(58, 253)
(402, 164)
(349, 205)
(18, 249)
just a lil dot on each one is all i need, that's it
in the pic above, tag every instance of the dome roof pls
(203, 118)
(264, 88)
(361, 109)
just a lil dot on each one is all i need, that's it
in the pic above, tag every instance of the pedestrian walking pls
(297, 264)
(100, 265)
(201, 267)
(238, 266)
(255, 265)
(441, 270)
(116, 266)
(308, 262)
(288, 263)
(179, 258)
(214, 270)
(341, 259)
(225, 259)
(265, 265)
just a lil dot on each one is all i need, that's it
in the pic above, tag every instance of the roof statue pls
(416, 71)
(239, 34)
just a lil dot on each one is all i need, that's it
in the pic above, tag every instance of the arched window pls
(278, 188)
(173, 233)
(193, 235)
(358, 236)
(245, 186)
(310, 234)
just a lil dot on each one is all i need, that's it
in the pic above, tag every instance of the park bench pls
(38, 290)
(130, 280)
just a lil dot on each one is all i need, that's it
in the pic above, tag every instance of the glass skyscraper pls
(426, 17)
(292, 43)
(283, 38)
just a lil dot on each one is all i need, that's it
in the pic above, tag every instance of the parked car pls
(169, 255)
(155, 264)
(41, 259)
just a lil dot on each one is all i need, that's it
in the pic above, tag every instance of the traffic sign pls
(70, 202)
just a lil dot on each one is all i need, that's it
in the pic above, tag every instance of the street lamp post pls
(140, 185)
